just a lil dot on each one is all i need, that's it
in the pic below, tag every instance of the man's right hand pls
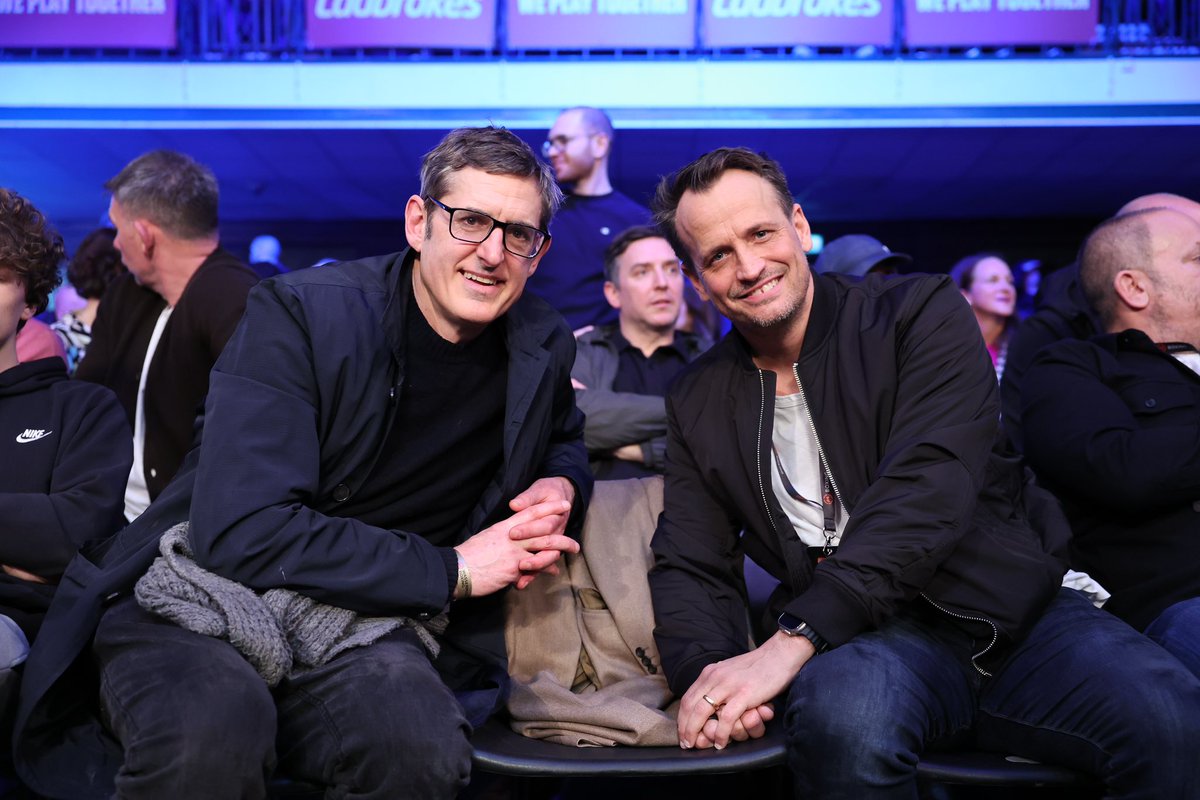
(731, 699)
(494, 558)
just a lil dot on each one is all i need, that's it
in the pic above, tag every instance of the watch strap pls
(792, 625)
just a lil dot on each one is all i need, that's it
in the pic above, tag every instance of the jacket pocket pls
(1157, 400)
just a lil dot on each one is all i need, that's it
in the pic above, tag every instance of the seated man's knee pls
(848, 727)
(414, 755)
(437, 764)
(822, 713)
(400, 731)
(1177, 630)
(222, 740)
(1152, 735)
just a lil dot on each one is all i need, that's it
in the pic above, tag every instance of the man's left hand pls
(543, 490)
(732, 698)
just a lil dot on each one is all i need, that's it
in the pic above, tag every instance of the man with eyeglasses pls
(394, 440)
(572, 278)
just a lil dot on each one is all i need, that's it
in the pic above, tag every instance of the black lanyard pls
(826, 504)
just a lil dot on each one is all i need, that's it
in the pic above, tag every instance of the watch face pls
(790, 622)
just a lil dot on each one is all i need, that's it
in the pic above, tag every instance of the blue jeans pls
(1084, 690)
(1177, 629)
(196, 721)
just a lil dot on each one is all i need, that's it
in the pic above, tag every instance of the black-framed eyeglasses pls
(560, 143)
(468, 225)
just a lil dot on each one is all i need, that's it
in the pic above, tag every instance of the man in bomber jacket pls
(847, 428)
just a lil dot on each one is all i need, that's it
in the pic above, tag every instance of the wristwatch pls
(794, 626)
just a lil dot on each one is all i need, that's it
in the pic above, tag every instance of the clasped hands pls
(516, 550)
(731, 700)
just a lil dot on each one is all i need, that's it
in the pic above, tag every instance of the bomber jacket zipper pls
(762, 412)
(985, 620)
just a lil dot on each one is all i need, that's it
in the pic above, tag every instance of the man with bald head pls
(571, 277)
(1112, 425)
(1063, 313)
(1184, 205)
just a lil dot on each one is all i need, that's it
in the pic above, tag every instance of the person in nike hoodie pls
(65, 447)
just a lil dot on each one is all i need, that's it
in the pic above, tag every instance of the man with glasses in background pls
(394, 439)
(572, 278)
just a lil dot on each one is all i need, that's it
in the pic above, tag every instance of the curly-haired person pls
(36, 340)
(64, 446)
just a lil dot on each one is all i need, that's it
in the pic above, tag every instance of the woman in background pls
(986, 280)
(95, 265)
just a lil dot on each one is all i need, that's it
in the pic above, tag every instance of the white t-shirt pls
(1190, 359)
(795, 441)
(137, 493)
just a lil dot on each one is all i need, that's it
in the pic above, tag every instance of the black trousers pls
(196, 721)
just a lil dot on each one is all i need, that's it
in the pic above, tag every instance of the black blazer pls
(201, 324)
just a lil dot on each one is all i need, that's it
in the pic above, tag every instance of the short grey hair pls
(494, 150)
(172, 190)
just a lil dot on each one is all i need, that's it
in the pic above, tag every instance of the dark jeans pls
(1177, 629)
(1084, 690)
(196, 721)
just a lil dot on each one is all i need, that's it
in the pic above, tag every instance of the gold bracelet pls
(463, 587)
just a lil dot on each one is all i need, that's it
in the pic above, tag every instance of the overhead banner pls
(88, 23)
(401, 23)
(997, 23)
(601, 24)
(776, 23)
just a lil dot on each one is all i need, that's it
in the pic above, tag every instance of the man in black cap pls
(858, 254)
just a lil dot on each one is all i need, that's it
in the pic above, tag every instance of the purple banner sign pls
(87, 23)
(401, 23)
(601, 24)
(773, 23)
(987, 23)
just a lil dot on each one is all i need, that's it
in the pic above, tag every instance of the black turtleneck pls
(446, 441)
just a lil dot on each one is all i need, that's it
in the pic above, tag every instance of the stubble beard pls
(785, 314)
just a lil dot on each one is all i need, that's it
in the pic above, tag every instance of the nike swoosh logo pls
(32, 436)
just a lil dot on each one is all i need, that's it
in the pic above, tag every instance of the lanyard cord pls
(826, 504)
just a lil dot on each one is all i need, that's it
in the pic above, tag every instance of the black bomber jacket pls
(905, 405)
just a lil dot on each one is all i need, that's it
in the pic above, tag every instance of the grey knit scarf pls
(280, 632)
